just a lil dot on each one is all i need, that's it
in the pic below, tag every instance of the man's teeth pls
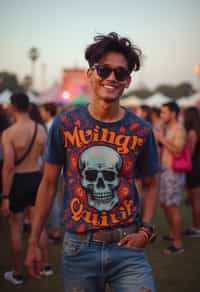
(109, 86)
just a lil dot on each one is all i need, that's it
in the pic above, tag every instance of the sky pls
(167, 32)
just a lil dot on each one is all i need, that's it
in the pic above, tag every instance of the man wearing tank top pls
(172, 182)
(21, 180)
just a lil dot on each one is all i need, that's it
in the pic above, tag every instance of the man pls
(101, 146)
(21, 179)
(48, 112)
(172, 182)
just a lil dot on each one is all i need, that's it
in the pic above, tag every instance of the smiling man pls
(102, 148)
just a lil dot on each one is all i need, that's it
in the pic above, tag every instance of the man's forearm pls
(7, 178)
(45, 196)
(171, 147)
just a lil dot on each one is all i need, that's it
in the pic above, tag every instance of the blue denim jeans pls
(89, 265)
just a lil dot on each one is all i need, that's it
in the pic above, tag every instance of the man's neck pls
(21, 117)
(173, 123)
(49, 119)
(106, 112)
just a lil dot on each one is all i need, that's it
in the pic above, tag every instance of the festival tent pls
(131, 101)
(32, 97)
(193, 100)
(157, 100)
(183, 101)
(5, 96)
(78, 100)
(53, 94)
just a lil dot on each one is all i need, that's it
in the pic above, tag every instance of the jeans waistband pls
(107, 236)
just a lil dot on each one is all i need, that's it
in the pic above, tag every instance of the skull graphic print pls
(99, 167)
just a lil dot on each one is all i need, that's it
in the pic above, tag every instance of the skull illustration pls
(99, 167)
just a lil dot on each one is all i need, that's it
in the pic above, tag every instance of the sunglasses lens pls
(121, 74)
(103, 71)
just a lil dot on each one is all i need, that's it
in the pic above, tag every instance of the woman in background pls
(145, 112)
(192, 126)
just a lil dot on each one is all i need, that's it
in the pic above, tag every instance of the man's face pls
(140, 113)
(109, 89)
(44, 114)
(166, 115)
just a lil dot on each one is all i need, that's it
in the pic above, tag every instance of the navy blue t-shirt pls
(101, 161)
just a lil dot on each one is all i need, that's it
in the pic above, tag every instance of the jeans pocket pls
(71, 247)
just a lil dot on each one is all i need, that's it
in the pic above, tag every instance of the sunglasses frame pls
(115, 70)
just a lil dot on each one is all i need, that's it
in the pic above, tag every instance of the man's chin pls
(110, 99)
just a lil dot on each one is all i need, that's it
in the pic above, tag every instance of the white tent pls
(32, 97)
(53, 94)
(5, 96)
(183, 101)
(192, 100)
(157, 100)
(131, 101)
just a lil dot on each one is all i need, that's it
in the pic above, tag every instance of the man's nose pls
(112, 76)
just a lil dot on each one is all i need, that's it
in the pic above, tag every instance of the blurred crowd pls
(175, 130)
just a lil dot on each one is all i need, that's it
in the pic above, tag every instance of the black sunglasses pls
(103, 71)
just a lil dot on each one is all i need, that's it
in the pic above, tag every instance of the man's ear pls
(88, 73)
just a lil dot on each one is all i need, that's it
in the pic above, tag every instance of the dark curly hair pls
(113, 43)
(192, 120)
(21, 101)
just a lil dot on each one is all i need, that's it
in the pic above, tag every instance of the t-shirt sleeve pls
(55, 152)
(148, 161)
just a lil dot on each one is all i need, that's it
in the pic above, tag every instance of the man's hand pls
(5, 210)
(138, 240)
(159, 135)
(33, 261)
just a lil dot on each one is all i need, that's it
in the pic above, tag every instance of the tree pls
(9, 81)
(180, 90)
(142, 93)
(33, 55)
(27, 82)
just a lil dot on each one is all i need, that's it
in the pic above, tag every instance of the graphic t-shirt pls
(101, 161)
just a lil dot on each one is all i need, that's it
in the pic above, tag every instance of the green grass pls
(172, 273)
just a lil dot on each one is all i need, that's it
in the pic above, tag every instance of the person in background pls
(157, 125)
(144, 111)
(20, 180)
(35, 114)
(4, 124)
(155, 117)
(48, 112)
(192, 126)
(171, 182)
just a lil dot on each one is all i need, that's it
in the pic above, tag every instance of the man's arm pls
(150, 189)
(176, 145)
(7, 171)
(45, 196)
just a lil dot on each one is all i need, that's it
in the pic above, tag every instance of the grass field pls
(173, 273)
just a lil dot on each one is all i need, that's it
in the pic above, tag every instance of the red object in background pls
(197, 69)
(74, 83)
